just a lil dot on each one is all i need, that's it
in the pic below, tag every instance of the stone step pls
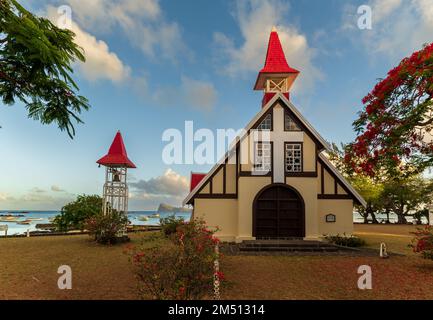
(277, 238)
(288, 244)
(289, 249)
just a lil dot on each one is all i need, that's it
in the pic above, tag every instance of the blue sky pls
(151, 65)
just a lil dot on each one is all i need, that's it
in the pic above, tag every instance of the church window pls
(266, 123)
(262, 159)
(293, 157)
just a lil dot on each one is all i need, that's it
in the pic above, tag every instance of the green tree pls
(75, 214)
(35, 67)
(405, 196)
(370, 188)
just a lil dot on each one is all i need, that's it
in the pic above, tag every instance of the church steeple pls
(276, 75)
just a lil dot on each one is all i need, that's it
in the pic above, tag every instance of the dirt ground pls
(28, 270)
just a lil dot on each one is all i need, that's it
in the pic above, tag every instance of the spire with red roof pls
(116, 156)
(276, 75)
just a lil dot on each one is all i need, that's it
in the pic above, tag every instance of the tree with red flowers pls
(395, 128)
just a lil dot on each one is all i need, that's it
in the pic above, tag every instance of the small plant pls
(344, 240)
(181, 266)
(106, 228)
(170, 224)
(423, 242)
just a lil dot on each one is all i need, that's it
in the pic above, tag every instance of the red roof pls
(195, 179)
(116, 155)
(275, 59)
(269, 95)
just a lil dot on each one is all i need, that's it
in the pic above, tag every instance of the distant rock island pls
(163, 207)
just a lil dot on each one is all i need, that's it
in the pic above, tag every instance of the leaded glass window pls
(262, 159)
(266, 123)
(293, 157)
(290, 124)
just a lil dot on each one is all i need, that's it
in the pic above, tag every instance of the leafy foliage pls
(423, 242)
(105, 228)
(394, 129)
(399, 193)
(170, 224)
(344, 240)
(74, 214)
(181, 267)
(404, 196)
(35, 67)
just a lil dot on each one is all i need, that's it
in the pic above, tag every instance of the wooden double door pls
(278, 212)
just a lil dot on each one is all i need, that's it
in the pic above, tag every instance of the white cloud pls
(170, 184)
(383, 8)
(398, 27)
(256, 18)
(101, 63)
(196, 94)
(37, 190)
(142, 22)
(170, 188)
(57, 189)
(5, 196)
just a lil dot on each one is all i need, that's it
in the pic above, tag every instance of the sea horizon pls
(44, 216)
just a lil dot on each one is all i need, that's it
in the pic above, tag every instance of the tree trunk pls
(401, 218)
(369, 211)
(387, 216)
(373, 215)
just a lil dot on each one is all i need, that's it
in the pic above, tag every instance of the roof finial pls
(274, 29)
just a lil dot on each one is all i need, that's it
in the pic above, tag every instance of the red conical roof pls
(275, 60)
(116, 156)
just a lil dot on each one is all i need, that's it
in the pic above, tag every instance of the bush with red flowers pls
(423, 242)
(107, 228)
(181, 267)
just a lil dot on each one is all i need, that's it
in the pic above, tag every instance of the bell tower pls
(276, 75)
(116, 162)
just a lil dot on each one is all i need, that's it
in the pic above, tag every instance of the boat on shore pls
(156, 215)
(9, 219)
(143, 218)
(11, 215)
(24, 222)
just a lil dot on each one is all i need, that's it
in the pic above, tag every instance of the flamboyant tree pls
(35, 67)
(395, 128)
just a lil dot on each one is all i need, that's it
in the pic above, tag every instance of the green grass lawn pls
(28, 270)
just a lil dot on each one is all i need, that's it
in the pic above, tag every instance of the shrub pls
(106, 228)
(423, 242)
(74, 214)
(170, 224)
(344, 240)
(181, 267)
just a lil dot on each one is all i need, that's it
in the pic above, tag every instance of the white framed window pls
(293, 157)
(263, 157)
(289, 123)
(266, 123)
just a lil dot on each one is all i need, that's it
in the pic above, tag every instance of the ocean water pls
(382, 217)
(43, 217)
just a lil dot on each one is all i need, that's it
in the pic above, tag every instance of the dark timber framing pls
(310, 174)
(335, 195)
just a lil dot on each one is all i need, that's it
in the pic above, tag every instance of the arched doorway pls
(278, 212)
